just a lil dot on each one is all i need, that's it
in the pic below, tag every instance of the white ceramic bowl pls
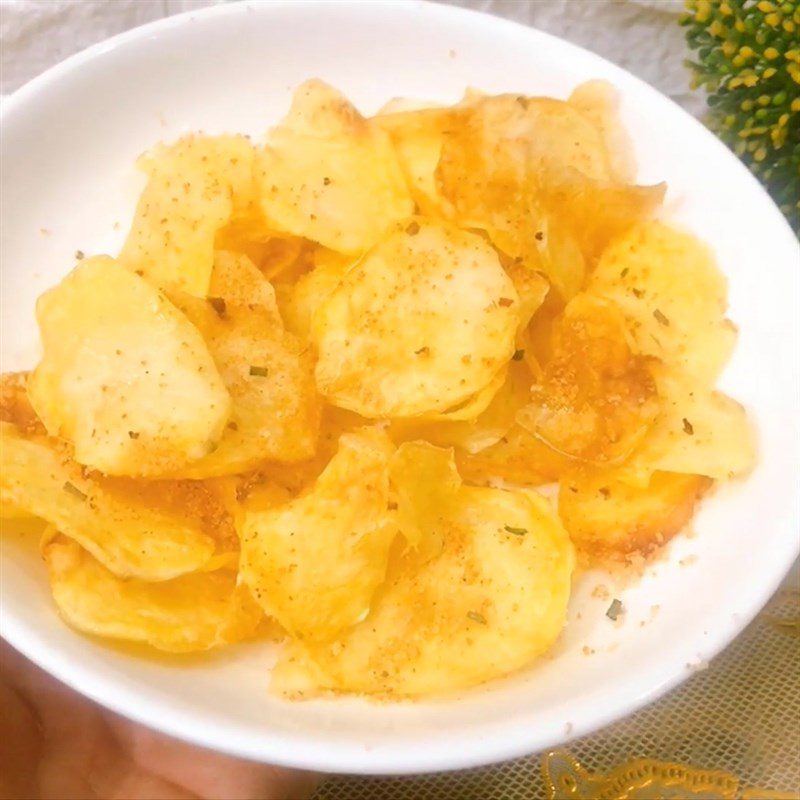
(69, 141)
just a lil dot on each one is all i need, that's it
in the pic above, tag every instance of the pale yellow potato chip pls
(315, 562)
(598, 101)
(194, 612)
(668, 285)
(301, 299)
(422, 323)
(699, 431)
(130, 536)
(125, 377)
(488, 604)
(330, 175)
(267, 372)
(606, 517)
(196, 186)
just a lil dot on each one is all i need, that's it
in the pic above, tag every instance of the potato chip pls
(314, 563)
(301, 299)
(9, 510)
(125, 376)
(417, 136)
(330, 175)
(425, 483)
(598, 101)
(493, 600)
(419, 325)
(474, 435)
(15, 406)
(532, 288)
(699, 431)
(518, 458)
(596, 397)
(130, 538)
(593, 212)
(555, 129)
(400, 105)
(669, 287)
(191, 613)
(605, 516)
(268, 373)
(534, 174)
(472, 407)
(196, 187)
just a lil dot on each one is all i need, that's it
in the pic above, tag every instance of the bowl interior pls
(69, 142)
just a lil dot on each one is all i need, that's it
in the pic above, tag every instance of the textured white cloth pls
(641, 35)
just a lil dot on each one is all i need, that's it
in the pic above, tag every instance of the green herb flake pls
(518, 355)
(133, 434)
(662, 320)
(423, 351)
(71, 488)
(259, 372)
(688, 428)
(476, 617)
(218, 304)
(515, 531)
(614, 610)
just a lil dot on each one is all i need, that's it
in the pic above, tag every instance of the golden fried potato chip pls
(125, 377)
(699, 431)
(9, 510)
(268, 373)
(417, 136)
(302, 298)
(474, 435)
(472, 407)
(422, 323)
(532, 288)
(330, 175)
(492, 152)
(518, 458)
(493, 600)
(596, 398)
(667, 284)
(130, 537)
(605, 516)
(554, 129)
(424, 482)
(15, 405)
(534, 174)
(314, 563)
(196, 186)
(592, 212)
(194, 612)
(598, 101)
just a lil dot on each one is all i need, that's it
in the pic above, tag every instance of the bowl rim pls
(322, 751)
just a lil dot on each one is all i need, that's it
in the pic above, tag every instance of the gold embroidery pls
(643, 779)
(790, 625)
